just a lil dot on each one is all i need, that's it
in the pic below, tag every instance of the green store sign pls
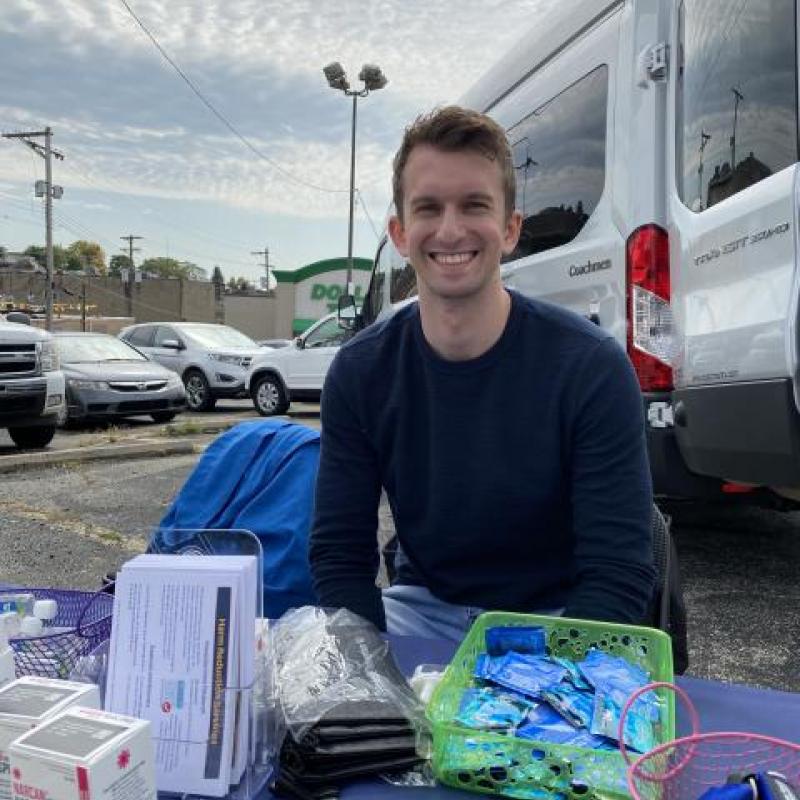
(331, 292)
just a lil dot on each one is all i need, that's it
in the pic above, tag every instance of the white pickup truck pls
(31, 384)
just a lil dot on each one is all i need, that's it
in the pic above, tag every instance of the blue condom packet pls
(491, 709)
(544, 724)
(574, 675)
(639, 730)
(482, 666)
(575, 705)
(525, 674)
(619, 679)
(501, 639)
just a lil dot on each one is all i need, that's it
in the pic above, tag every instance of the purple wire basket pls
(84, 622)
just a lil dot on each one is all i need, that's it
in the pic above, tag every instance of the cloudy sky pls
(145, 156)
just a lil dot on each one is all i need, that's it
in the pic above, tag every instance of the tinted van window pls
(737, 100)
(559, 156)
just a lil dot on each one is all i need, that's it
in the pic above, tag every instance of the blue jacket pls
(258, 476)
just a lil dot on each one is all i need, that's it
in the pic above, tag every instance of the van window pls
(373, 302)
(404, 281)
(736, 99)
(559, 154)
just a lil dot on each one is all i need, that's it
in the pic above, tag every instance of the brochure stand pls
(252, 702)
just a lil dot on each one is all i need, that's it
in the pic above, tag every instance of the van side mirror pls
(299, 342)
(347, 314)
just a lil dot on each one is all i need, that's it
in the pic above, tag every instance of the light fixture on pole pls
(373, 79)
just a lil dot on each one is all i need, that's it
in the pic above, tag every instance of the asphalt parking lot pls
(70, 524)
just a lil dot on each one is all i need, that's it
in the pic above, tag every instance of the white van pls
(656, 149)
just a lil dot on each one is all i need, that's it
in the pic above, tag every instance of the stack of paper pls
(183, 656)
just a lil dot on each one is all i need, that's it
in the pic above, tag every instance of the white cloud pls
(431, 51)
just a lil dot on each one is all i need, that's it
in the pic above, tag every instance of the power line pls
(166, 223)
(246, 142)
(369, 218)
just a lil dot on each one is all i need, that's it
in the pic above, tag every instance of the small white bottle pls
(30, 627)
(46, 611)
(9, 624)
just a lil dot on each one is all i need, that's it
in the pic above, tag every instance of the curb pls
(148, 449)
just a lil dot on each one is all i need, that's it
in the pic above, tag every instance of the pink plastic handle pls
(693, 716)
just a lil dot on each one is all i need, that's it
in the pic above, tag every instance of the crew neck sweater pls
(518, 480)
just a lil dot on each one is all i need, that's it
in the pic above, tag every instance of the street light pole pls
(373, 80)
(350, 290)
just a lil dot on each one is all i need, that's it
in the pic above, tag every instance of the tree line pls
(86, 256)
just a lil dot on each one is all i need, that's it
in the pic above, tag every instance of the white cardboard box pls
(30, 701)
(84, 754)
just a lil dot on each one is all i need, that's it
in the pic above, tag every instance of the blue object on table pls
(258, 476)
(732, 791)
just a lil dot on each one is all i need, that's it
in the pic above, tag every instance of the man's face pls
(455, 227)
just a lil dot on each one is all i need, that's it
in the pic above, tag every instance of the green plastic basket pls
(497, 764)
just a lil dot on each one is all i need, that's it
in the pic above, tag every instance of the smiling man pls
(507, 432)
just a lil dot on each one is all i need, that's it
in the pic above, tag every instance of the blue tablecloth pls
(721, 706)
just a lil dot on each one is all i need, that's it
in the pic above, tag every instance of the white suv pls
(212, 359)
(296, 372)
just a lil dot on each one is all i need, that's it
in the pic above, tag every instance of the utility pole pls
(265, 253)
(49, 191)
(130, 238)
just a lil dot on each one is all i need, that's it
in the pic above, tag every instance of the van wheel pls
(198, 392)
(269, 396)
(31, 438)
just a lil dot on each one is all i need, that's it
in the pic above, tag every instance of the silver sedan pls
(107, 378)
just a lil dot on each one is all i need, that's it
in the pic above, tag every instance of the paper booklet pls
(182, 655)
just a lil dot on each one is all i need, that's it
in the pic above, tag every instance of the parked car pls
(296, 372)
(274, 344)
(31, 383)
(107, 378)
(212, 360)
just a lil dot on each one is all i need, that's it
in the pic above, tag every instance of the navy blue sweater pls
(518, 480)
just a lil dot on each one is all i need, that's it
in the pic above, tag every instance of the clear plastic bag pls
(328, 661)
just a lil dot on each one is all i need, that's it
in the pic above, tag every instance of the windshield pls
(217, 336)
(88, 349)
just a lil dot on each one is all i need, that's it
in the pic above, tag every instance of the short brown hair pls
(453, 128)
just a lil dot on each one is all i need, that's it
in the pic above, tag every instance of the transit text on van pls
(740, 243)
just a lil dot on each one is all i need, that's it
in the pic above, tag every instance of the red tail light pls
(651, 340)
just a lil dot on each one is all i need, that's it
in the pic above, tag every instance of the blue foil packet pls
(574, 675)
(602, 669)
(528, 675)
(575, 705)
(481, 670)
(492, 709)
(544, 724)
(618, 679)
(639, 730)
(502, 639)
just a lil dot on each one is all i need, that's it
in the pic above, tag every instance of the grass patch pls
(182, 429)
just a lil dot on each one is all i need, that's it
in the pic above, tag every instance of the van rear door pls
(732, 210)
(559, 123)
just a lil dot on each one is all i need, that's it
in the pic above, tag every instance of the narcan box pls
(29, 701)
(85, 754)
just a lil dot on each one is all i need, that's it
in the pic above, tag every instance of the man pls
(508, 433)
